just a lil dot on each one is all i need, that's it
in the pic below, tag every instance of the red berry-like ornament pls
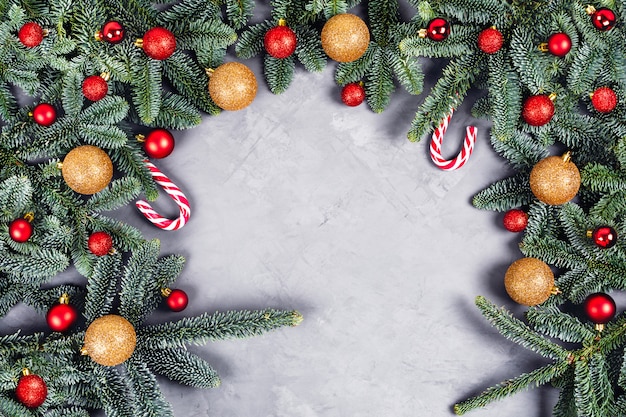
(600, 308)
(603, 19)
(438, 29)
(100, 243)
(158, 43)
(604, 100)
(158, 144)
(559, 44)
(112, 32)
(604, 237)
(95, 87)
(538, 110)
(490, 40)
(31, 390)
(175, 299)
(353, 94)
(44, 114)
(280, 41)
(31, 34)
(20, 230)
(515, 220)
(61, 316)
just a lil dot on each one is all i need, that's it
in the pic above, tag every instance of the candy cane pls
(175, 194)
(464, 154)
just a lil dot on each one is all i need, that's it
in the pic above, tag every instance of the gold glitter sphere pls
(345, 37)
(555, 180)
(529, 281)
(110, 340)
(232, 86)
(87, 169)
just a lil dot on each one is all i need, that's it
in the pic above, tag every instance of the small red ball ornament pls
(31, 34)
(112, 32)
(31, 390)
(490, 40)
(280, 41)
(44, 114)
(559, 44)
(438, 29)
(604, 100)
(600, 308)
(61, 316)
(175, 299)
(158, 43)
(353, 94)
(515, 220)
(538, 110)
(100, 243)
(20, 230)
(95, 87)
(158, 144)
(603, 19)
(604, 237)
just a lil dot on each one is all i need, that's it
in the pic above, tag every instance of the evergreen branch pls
(250, 42)
(278, 73)
(149, 401)
(184, 75)
(238, 12)
(354, 71)
(309, 49)
(505, 194)
(555, 323)
(102, 287)
(137, 281)
(112, 391)
(108, 111)
(407, 71)
(130, 161)
(177, 113)
(146, 87)
(118, 194)
(10, 407)
(379, 84)
(182, 366)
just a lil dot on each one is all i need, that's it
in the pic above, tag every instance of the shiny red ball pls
(559, 44)
(604, 100)
(515, 220)
(100, 243)
(95, 88)
(538, 110)
(490, 40)
(177, 300)
(353, 94)
(604, 237)
(20, 230)
(60, 317)
(438, 29)
(30, 34)
(44, 114)
(112, 32)
(603, 19)
(159, 143)
(600, 308)
(159, 43)
(31, 390)
(280, 42)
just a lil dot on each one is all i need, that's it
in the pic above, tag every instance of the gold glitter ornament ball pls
(87, 169)
(529, 281)
(555, 180)
(110, 340)
(232, 86)
(345, 37)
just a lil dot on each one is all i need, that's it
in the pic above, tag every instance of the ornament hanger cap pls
(139, 43)
(282, 22)
(29, 217)
(567, 157)
(64, 298)
(25, 371)
(209, 71)
(422, 33)
(590, 9)
(165, 292)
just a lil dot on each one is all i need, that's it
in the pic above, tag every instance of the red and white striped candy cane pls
(464, 154)
(175, 194)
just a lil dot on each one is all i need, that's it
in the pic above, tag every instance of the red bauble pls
(538, 110)
(20, 230)
(515, 220)
(44, 114)
(112, 32)
(158, 43)
(353, 94)
(280, 41)
(159, 143)
(438, 29)
(31, 390)
(176, 299)
(61, 316)
(604, 237)
(603, 19)
(604, 100)
(490, 40)
(31, 34)
(600, 308)
(95, 87)
(100, 243)
(559, 44)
